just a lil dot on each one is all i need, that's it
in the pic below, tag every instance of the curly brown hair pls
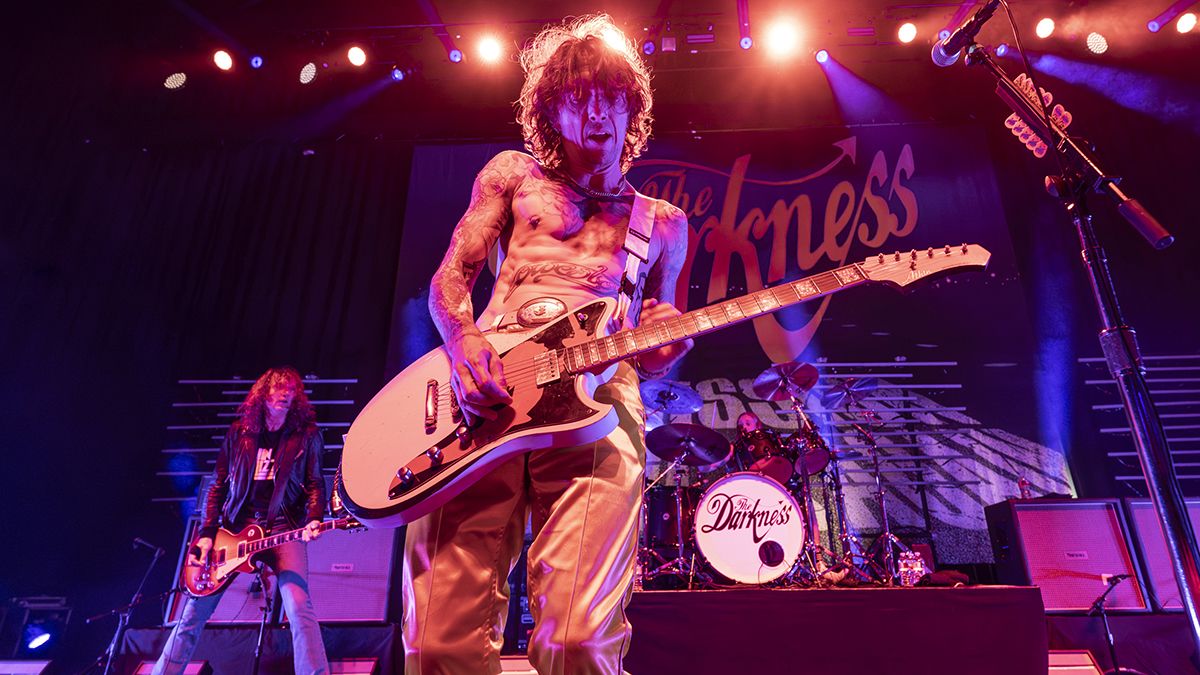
(252, 411)
(565, 61)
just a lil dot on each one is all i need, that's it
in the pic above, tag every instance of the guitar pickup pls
(431, 406)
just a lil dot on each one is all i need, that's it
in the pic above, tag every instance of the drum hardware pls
(887, 544)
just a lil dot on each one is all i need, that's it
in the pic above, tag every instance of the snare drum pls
(749, 528)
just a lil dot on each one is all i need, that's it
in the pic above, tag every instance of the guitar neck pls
(623, 344)
(259, 545)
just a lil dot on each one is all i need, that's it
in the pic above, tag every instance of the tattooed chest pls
(586, 227)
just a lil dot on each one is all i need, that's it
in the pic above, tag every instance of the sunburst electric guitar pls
(410, 450)
(232, 553)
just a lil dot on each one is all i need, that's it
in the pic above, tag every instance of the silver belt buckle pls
(539, 311)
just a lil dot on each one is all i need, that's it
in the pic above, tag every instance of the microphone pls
(1116, 579)
(138, 541)
(946, 52)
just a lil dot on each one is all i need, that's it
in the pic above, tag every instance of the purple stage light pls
(1002, 49)
(746, 42)
(397, 74)
(822, 56)
(648, 47)
(456, 56)
(943, 33)
(256, 62)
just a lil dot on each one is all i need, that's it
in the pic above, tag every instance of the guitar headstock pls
(1024, 131)
(903, 269)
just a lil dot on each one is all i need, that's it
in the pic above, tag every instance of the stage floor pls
(894, 631)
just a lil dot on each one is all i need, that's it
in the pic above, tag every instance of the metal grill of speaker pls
(352, 577)
(1069, 548)
(1148, 535)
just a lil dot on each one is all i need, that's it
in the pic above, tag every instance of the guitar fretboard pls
(257, 545)
(630, 342)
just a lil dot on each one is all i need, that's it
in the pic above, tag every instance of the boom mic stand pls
(123, 613)
(1081, 174)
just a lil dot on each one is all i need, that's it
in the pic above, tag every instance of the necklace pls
(597, 194)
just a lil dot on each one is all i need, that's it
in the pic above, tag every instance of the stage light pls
(822, 56)
(1096, 43)
(36, 637)
(455, 55)
(356, 56)
(223, 60)
(1153, 26)
(175, 81)
(256, 62)
(907, 32)
(614, 39)
(1045, 28)
(746, 42)
(489, 50)
(308, 73)
(648, 47)
(782, 38)
(1186, 23)
(1002, 49)
(943, 34)
(397, 73)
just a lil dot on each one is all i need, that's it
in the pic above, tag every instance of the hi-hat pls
(849, 392)
(691, 444)
(670, 397)
(781, 381)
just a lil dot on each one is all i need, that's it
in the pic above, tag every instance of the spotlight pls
(490, 50)
(36, 637)
(943, 34)
(223, 60)
(1153, 26)
(648, 47)
(1096, 43)
(746, 42)
(39, 624)
(356, 55)
(615, 40)
(782, 38)
(397, 73)
(455, 55)
(1002, 49)
(256, 62)
(1045, 28)
(822, 56)
(175, 81)
(1186, 23)
(308, 73)
(907, 32)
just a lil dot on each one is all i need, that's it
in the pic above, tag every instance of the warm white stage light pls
(1096, 43)
(308, 73)
(489, 49)
(1186, 23)
(1045, 28)
(356, 55)
(223, 60)
(175, 81)
(614, 39)
(783, 38)
(907, 32)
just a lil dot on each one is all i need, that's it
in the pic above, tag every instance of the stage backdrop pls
(949, 395)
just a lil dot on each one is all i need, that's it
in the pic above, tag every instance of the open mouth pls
(600, 137)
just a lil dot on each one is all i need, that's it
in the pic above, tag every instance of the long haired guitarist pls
(268, 473)
(561, 219)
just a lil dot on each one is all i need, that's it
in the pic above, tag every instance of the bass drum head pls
(749, 528)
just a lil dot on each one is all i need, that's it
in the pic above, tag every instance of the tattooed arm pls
(659, 294)
(477, 375)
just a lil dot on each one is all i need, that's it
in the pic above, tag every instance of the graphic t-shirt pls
(263, 480)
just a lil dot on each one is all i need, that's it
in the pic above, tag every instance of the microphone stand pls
(1098, 607)
(1082, 173)
(123, 612)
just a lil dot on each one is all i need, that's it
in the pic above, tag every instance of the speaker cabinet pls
(353, 576)
(1148, 535)
(1069, 548)
(1073, 662)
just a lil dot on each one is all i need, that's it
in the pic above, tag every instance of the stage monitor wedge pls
(1069, 548)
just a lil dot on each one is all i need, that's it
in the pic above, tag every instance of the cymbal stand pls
(852, 548)
(886, 540)
(814, 557)
(681, 565)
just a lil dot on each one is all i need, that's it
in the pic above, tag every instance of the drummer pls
(748, 423)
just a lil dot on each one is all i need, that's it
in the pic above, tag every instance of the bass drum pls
(749, 528)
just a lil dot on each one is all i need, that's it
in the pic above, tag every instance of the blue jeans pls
(290, 562)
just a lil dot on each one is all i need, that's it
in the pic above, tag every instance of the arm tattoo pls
(594, 279)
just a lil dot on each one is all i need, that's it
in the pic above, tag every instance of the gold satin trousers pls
(584, 504)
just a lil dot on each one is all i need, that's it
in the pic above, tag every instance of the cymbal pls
(848, 392)
(779, 381)
(692, 444)
(668, 396)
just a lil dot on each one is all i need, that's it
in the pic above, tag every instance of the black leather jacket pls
(299, 486)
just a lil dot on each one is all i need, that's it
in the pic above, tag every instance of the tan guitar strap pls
(637, 248)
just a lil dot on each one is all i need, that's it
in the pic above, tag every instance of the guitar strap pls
(637, 249)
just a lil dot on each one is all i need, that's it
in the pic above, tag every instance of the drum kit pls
(716, 513)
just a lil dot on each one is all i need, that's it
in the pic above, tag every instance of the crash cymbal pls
(848, 392)
(781, 380)
(670, 397)
(692, 444)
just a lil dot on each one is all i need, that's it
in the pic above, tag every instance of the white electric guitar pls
(409, 451)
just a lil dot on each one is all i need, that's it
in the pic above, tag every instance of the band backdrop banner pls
(946, 400)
